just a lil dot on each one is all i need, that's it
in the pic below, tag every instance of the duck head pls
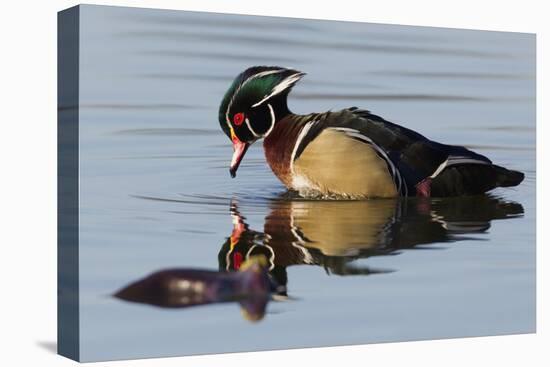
(253, 104)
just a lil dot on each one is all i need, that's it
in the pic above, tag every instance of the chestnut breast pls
(278, 147)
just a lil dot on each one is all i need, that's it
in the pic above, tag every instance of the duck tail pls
(507, 177)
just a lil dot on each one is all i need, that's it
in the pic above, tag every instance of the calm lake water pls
(156, 193)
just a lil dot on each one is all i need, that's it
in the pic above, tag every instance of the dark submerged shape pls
(349, 153)
(179, 288)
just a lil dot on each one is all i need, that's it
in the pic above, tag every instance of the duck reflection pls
(333, 234)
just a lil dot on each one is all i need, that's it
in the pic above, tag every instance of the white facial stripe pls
(264, 73)
(272, 120)
(227, 121)
(251, 129)
(258, 75)
(284, 84)
(256, 135)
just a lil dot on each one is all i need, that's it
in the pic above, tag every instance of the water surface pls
(156, 193)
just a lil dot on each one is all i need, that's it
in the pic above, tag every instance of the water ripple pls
(453, 75)
(167, 132)
(224, 21)
(219, 55)
(286, 42)
(389, 97)
(129, 106)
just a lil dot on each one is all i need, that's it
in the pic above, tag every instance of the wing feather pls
(413, 156)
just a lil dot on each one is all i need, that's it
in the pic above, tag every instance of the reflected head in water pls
(333, 234)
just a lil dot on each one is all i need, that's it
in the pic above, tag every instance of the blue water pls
(155, 191)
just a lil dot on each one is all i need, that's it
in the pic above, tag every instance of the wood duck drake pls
(350, 153)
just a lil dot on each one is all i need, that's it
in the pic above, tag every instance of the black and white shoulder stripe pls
(315, 125)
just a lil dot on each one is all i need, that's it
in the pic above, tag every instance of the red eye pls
(238, 118)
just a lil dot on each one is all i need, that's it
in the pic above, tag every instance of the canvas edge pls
(68, 328)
